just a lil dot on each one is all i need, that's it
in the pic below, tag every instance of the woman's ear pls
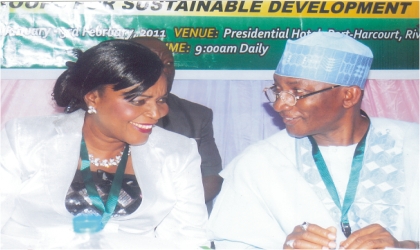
(91, 98)
(352, 96)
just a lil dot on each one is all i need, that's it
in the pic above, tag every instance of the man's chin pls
(295, 134)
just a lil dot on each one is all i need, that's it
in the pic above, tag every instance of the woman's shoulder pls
(30, 125)
(169, 140)
(166, 149)
(166, 145)
(42, 126)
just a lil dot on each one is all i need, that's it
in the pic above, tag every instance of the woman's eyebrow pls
(133, 92)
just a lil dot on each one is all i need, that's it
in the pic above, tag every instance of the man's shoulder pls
(274, 156)
(187, 118)
(276, 150)
(176, 103)
(395, 126)
(278, 142)
(380, 122)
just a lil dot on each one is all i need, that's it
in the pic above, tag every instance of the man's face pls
(320, 114)
(165, 56)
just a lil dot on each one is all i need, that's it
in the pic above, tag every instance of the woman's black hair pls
(121, 63)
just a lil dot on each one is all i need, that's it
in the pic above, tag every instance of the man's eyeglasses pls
(289, 98)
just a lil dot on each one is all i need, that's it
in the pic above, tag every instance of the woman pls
(146, 178)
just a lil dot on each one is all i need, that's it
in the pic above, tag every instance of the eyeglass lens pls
(271, 96)
(286, 97)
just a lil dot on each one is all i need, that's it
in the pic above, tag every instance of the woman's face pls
(129, 120)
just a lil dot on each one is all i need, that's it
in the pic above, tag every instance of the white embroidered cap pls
(326, 57)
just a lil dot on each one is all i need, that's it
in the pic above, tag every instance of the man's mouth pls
(290, 120)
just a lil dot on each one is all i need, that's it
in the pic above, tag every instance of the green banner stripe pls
(36, 40)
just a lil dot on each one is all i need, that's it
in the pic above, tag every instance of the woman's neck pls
(98, 144)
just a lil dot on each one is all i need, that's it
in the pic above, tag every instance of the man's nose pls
(280, 105)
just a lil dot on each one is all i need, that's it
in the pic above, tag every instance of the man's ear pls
(352, 96)
(92, 98)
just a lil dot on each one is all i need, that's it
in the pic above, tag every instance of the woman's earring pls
(91, 110)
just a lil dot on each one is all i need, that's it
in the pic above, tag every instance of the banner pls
(206, 35)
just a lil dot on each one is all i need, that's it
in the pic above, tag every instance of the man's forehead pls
(292, 81)
(287, 80)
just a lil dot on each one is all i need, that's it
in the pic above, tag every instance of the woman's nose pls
(157, 111)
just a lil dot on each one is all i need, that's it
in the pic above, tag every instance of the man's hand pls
(314, 237)
(371, 237)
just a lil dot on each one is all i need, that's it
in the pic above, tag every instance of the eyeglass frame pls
(277, 94)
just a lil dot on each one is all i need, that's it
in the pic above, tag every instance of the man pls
(191, 120)
(334, 177)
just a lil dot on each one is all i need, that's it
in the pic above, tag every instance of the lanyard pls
(112, 200)
(356, 166)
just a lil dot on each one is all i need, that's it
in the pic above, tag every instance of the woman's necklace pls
(113, 162)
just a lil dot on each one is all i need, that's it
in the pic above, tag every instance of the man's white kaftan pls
(274, 185)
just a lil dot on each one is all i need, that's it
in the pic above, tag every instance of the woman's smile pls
(144, 128)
